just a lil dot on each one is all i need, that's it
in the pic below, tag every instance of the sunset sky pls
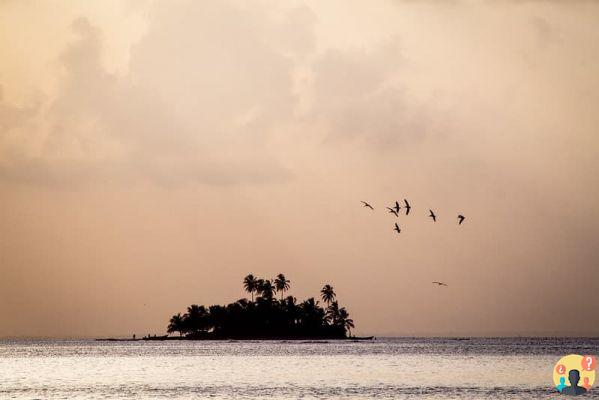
(152, 154)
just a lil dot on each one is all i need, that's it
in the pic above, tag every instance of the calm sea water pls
(393, 368)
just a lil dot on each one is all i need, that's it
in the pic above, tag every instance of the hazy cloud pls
(206, 88)
(359, 95)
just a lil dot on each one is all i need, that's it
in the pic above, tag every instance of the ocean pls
(386, 368)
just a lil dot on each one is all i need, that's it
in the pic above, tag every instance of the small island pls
(266, 317)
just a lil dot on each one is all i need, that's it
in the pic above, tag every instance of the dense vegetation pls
(266, 316)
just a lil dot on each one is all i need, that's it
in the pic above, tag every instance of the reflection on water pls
(385, 368)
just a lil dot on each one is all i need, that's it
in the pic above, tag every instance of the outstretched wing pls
(407, 207)
(433, 216)
(367, 205)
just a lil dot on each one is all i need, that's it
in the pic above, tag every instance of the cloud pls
(209, 96)
(207, 87)
(12, 116)
(359, 95)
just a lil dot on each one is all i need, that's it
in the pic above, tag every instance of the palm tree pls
(243, 303)
(197, 318)
(216, 317)
(327, 294)
(266, 289)
(333, 312)
(345, 321)
(176, 324)
(282, 284)
(312, 316)
(259, 284)
(250, 284)
(290, 303)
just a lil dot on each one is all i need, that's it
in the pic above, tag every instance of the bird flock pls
(395, 210)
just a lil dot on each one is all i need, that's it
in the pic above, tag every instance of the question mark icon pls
(560, 369)
(589, 363)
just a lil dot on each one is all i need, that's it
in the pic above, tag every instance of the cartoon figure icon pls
(574, 389)
(574, 374)
(562, 384)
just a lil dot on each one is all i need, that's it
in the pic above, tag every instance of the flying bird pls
(392, 211)
(407, 206)
(433, 216)
(440, 283)
(461, 218)
(397, 228)
(367, 205)
(397, 207)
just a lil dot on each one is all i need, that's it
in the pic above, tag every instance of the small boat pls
(361, 337)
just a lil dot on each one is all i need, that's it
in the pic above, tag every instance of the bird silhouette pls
(392, 211)
(407, 206)
(439, 283)
(397, 207)
(433, 216)
(367, 205)
(397, 228)
(461, 218)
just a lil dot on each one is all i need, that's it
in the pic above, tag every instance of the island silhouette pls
(266, 316)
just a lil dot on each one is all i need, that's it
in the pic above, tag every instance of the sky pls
(153, 153)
